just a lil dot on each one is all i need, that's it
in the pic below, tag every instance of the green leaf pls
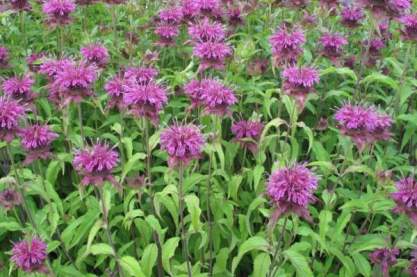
(325, 218)
(299, 262)
(130, 163)
(168, 251)
(261, 265)
(93, 232)
(362, 264)
(148, 260)
(101, 249)
(193, 207)
(132, 266)
(253, 243)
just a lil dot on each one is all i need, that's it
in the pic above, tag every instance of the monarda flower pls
(299, 82)
(73, 83)
(141, 75)
(216, 97)
(4, 57)
(20, 5)
(291, 190)
(10, 198)
(205, 30)
(51, 67)
(11, 111)
(409, 30)
(30, 256)
(19, 88)
(211, 8)
(115, 89)
(167, 34)
(374, 47)
(96, 164)
(145, 100)
(351, 16)
(364, 125)
(190, 9)
(406, 198)
(183, 143)
(95, 54)
(385, 258)
(257, 67)
(412, 266)
(58, 11)
(171, 15)
(286, 45)
(36, 140)
(234, 16)
(212, 54)
(397, 8)
(247, 134)
(193, 90)
(332, 45)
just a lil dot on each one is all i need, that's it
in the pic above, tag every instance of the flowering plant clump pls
(187, 137)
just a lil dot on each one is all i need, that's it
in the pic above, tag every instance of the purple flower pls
(374, 47)
(96, 164)
(384, 257)
(58, 11)
(30, 256)
(286, 45)
(36, 140)
(397, 8)
(115, 89)
(51, 67)
(409, 31)
(193, 90)
(183, 143)
(10, 198)
(167, 34)
(247, 134)
(190, 8)
(406, 198)
(332, 45)
(205, 30)
(364, 125)
(257, 67)
(20, 5)
(210, 8)
(299, 82)
(95, 54)
(235, 17)
(73, 83)
(412, 267)
(297, 3)
(141, 75)
(4, 57)
(85, 2)
(11, 111)
(145, 100)
(19, 88)
(171, 15)
(291, 190)
(212, 54)
(351, 16)
(216, 97)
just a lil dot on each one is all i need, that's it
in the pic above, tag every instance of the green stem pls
(106, 227)
(184, 241)
(28, 212)
(80, 120)
(275, 259)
